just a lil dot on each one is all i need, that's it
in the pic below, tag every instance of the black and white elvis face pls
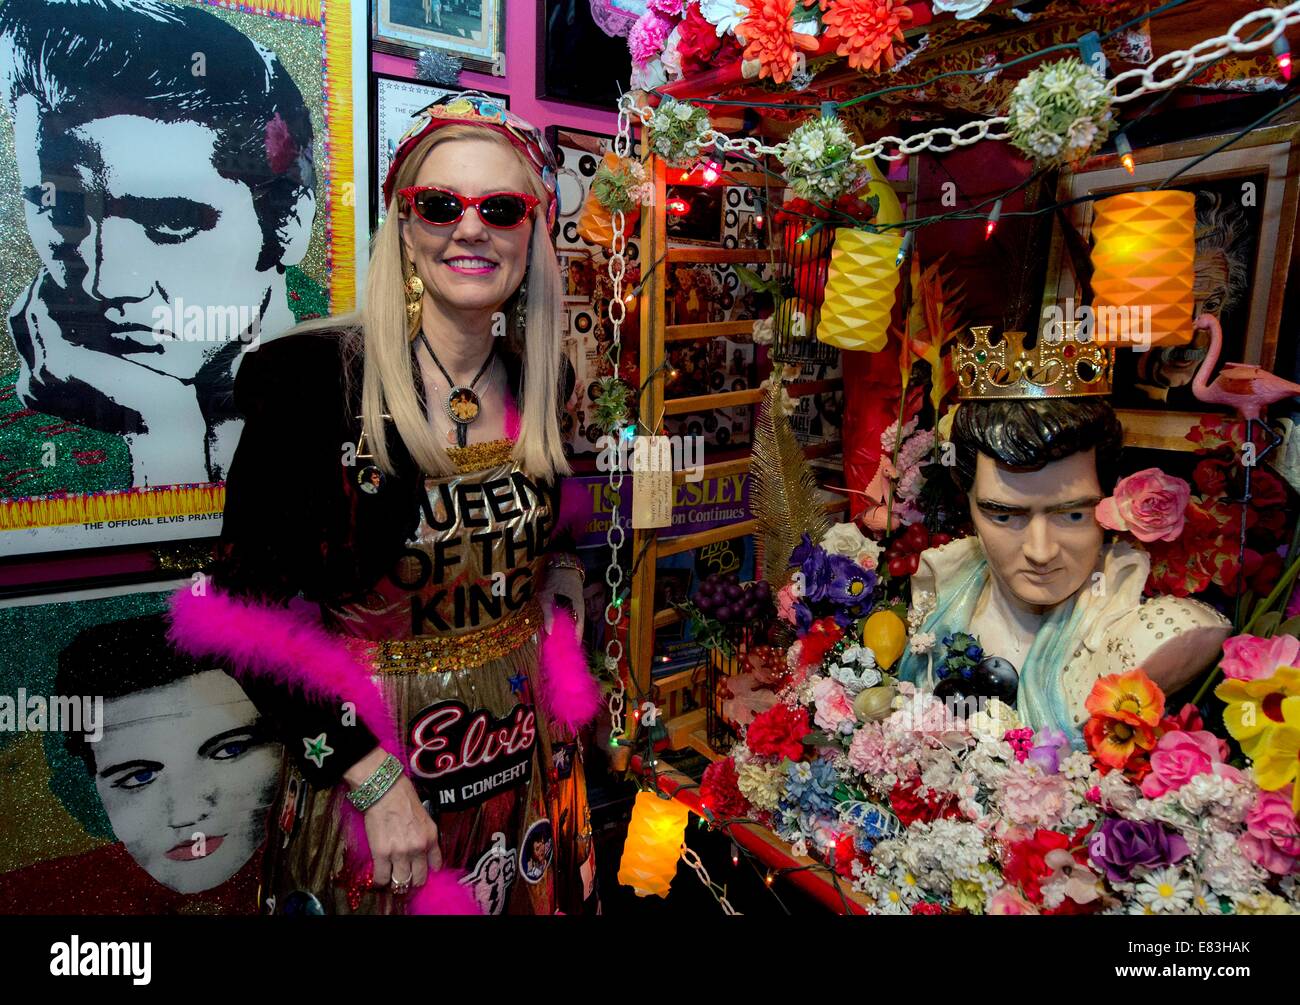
(135, 224)
(187, 777)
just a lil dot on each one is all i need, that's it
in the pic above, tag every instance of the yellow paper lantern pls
(885, 635)
(654, 841)
(1143, 264)
(860, 291)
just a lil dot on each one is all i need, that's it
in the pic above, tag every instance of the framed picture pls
(474, 30)
(137, 781)
(395, 101)
(1246, 204)
(695, 214)
(579, 63)
(229, 209)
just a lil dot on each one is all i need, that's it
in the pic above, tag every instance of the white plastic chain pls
(719, 892)
(1179, 65)
(615, 535)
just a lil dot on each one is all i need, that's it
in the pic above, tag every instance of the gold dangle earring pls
(414, 296)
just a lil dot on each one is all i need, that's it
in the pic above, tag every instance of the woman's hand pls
(566, 583)
(403, 837)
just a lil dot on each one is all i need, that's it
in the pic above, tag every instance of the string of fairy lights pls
(1257, 30)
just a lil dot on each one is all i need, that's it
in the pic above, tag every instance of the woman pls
(444, 389)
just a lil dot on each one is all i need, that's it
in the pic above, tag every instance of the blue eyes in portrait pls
(227, 746)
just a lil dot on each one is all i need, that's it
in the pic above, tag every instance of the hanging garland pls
(675, 131)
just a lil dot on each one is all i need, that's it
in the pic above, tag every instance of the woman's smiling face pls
(187, 779)
(468, 266)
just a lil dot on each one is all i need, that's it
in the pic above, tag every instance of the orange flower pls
(1131, 697)
(769, 30)
(1116, 743)
(870, 31)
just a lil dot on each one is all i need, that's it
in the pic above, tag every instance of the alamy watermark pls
(1130, 326)
(61, 713)
(182, 322)
(652, 453)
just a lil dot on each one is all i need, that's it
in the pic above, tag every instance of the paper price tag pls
(652, 483)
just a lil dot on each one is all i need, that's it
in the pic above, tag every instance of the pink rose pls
(833, 705)
(1181, 756)
(1150, 505)
(1272, 838)
(785, 600)
(1008, 901)
(1248, 657)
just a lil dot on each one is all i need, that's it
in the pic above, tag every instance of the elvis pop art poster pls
(180, 187)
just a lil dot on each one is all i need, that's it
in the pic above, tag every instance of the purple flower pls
(803, 618)
(816, 569)
(848, 584)
(1049, 747)
(1120, 846)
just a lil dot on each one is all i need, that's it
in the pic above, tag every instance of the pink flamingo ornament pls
(1248, 389)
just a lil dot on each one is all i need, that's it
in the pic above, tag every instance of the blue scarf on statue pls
(1040, 700)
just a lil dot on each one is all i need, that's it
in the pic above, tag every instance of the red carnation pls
(926, 907)
(1026, 866)
(779, 732)
(821, 636)
(910, 806)
(720, 790)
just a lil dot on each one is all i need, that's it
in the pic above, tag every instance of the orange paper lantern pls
(654, 841)
(1143, 268)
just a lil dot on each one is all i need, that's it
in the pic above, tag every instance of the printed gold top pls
(471, 565)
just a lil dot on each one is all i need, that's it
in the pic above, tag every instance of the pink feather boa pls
(291, 646)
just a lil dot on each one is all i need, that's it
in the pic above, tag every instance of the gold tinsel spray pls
(785, 494)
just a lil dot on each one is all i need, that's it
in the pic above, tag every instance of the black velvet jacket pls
(291, 529)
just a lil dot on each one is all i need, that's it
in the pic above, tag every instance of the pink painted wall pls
(520, 82)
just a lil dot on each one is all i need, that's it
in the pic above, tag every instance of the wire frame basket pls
(720, 665)
(803, 274)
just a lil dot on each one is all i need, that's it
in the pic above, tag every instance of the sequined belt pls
(437, 653)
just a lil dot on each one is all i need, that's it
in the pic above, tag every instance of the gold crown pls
(1056, 367)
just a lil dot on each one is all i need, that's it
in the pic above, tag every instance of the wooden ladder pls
(647, 546)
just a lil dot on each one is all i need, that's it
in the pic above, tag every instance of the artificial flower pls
(1276, 762)
(700, 46)
(779, 732)
(1060, 112)
(1008, 902)
(647, 37)
(1254, 707)
(1119, 847)
(720, 790)
(834, 709)
(1179, 756)
(768, 28)
(1131, 697)
(724, 15)
(1026, 864)
(1248, 657)
(762, 784)
(964, 10)
(1049, 747)
(668, 8)
(1165, 891)
(1150, 505)
(844, 539)
(870, 32)
(1272, 838)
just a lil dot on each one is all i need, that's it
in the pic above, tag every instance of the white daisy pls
(1165, 891)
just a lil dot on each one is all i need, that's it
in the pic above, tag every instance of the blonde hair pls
(388, 377)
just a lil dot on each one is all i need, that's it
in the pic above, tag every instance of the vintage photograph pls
(470, 29)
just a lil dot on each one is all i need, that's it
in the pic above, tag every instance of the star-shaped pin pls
(317, 749)
(517, 683)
